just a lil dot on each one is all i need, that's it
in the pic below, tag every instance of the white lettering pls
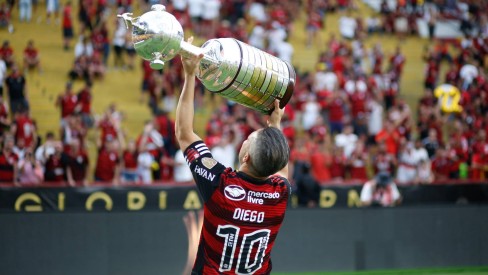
(204, 173)
(254, 200)
(247, 215)
(257, 197)
(265, 195)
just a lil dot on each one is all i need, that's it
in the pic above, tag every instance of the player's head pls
(265, 152)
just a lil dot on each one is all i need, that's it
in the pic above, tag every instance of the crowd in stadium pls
(346, 121)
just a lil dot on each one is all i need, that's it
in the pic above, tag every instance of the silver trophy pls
(231, 68)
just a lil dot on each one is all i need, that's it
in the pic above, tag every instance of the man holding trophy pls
(243, 209)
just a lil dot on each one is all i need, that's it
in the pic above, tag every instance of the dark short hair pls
(269, 152)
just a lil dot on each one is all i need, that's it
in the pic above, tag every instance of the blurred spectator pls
(375, 119)
(151, 142)
(107, 170)
(129, 173)
(180, 11)
(358, 161)
(3, 75)
(4, 119)
(431, 15)
(376, 57)
(80, 69)
(347, 140)
(17, 91)
(25, 10)
(210, 17)
(257, 37)
(55, 169)
(424, 172)
(24, 128)
(46, 149)
(100, 41)
(8, 162)
(338, 164)
(324, 79)
(441, 164)
(320, 162)
(315, 21)
(118, 43)
(479, 163)
(73, 129)
(384, 162)
(96, 67)
(407, 164)
(276, 35)
(225, 151)
(311, 112)
(5, 17)
(300, 157)
(284, 51)
(307, 188)
(195, 11)
(257, 11)
(7, 54)
(84, 47)
(30, 169)
(380, 191)
(67, 26)
(52, 9)
(31, 57)
(347, 26)
(468, 73)
(390, 136)
(84, 101)
(145, 161)
(84, 16)
(336, 104)
(130, 50)
(67, 102)
(165, 127)
(77, 164)
(108, 129)
(181, 170)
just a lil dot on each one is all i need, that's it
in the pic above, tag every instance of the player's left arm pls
(275, 121)
(185, 110)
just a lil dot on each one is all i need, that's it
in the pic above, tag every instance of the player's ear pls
(246, 158)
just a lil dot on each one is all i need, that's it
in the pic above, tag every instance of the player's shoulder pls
(279, 180)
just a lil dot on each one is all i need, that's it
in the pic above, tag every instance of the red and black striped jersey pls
(242, 216)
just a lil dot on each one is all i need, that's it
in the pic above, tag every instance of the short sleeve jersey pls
(242, 216)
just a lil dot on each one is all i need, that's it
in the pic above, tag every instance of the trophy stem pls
(207, 64)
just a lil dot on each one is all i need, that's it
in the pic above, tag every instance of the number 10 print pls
(244, 263)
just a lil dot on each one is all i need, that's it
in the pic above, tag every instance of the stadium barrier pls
(156, 242)
(165, 197)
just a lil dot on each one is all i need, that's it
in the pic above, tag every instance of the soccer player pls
(243, 209)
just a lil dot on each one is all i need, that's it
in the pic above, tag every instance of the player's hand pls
(275, 117)
(190, 64)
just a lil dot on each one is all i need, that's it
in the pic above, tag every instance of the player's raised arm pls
(185, 109)
(275, 121)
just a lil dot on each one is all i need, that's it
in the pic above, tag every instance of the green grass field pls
(436, 271)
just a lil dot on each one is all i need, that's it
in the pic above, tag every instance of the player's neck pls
(244, 168)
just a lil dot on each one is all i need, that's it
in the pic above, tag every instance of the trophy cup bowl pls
(230, 68)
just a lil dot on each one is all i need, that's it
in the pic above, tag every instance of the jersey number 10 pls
(244, 264)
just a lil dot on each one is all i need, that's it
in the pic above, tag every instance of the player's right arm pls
(205, 169)
(275, 121)
(185, 110)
